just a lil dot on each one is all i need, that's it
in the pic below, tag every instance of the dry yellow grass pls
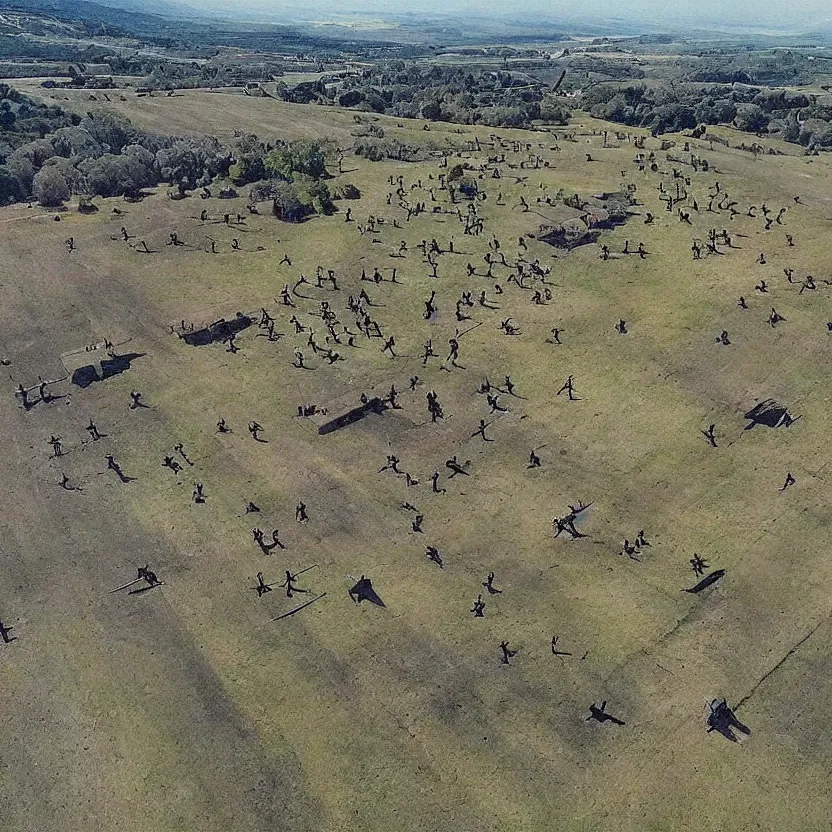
(186, 708)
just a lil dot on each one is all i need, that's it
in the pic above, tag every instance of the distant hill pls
(161, 8)
(90, 13)
(822, 30)
(190, 28)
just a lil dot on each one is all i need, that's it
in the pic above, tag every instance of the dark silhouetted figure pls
(600, 714)
(489, 585)
(260, 540)
(289, 583)
(480, 431)
(569, 388)
(507, 654)
(391, 465)
(276, 539)
(790, 480)
(698, 565)
(388, 346)
(262, 587)
(43, 392)
(363, 590)
(494, 403)
(64, 483)
(629, 549)
(136, 400)
(509, 387)
(24, 397)
(434, 408)
(255, 428)
(4, 634)
(148, 575)
(774, 318)
(555, 651)
(112, 465)
(722, 720)
(432, 554)
(428, 352)
(709, 435)
(180, 449)
(430, 307)
(456, 467)
(567, 524)
(479, 606)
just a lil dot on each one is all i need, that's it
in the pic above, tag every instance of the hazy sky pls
(797, 14)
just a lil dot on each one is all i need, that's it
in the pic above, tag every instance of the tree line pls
(671, 108)
(457, 94)
(48, 155)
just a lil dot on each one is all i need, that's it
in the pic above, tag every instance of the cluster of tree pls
(169, 75)
(303, 158)
(776, 67)
(255, 160)
(12, 46)
(377, 150)
(205, 67)
(459, 94)
(554, 110)
(670, 108)
(290, 174)
(294, 201)
(100, 154)
(22, 119)
(593, 66)
(155, 75)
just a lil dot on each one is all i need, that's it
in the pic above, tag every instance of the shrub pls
(346, 190)
(294, 201)
(303, 157)
(287, 205)
(11, 189)
(50, 188)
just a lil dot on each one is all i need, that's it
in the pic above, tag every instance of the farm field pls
(187, 707)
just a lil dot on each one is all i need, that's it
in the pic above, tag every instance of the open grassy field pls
(187, 708)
